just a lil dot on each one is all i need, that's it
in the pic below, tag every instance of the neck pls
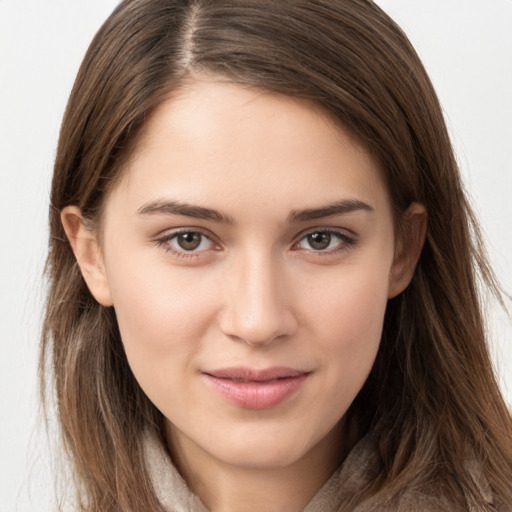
(223, 487)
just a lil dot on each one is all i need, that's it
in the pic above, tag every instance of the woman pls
(268, 299)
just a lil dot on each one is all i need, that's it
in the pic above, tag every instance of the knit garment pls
(358, 469)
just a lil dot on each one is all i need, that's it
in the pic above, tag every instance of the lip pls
(256, 389)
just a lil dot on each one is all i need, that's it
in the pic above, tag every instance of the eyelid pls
(163, 238)
(347, 238)
(169, 232)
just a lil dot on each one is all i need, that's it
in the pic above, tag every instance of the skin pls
(255, 292)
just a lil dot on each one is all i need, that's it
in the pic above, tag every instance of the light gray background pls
(466, 46)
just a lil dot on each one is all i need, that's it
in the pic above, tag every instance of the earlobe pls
(414, 229)
(87, 253)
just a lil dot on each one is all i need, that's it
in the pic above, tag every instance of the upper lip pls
(244, 374)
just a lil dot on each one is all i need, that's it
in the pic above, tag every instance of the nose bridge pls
(257, 309)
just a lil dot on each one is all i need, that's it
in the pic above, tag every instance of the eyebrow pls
(163, 207)
(166, 207)
(338, 208)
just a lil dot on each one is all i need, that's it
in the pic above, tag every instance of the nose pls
(257, 306)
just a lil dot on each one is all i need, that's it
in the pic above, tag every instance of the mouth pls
(256, 389)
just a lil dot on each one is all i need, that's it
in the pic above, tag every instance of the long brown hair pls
(432, 395)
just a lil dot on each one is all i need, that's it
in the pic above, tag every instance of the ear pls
(88, 255)
(408, 250)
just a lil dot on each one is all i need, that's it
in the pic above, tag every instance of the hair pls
(432, 396)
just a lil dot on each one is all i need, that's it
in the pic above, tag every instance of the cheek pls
(351, 304)
(162, 315)
(349, 318)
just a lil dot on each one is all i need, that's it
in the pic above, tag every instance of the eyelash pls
(165, 240)
(346, 242)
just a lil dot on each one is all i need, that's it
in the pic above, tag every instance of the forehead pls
(228, 143)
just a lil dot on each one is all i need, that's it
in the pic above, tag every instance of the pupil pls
(319, 240)
(189, 241)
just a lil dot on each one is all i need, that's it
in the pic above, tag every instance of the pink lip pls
(256, 389)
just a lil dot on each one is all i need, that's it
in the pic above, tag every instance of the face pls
(249, 253)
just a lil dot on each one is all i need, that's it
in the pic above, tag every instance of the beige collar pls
(175, 496)
(359, 469)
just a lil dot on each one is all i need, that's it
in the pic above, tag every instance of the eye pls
(325, 240)
(183, 242)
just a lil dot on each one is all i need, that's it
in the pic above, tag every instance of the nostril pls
(270, 330)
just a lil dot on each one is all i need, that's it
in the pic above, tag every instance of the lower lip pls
(256, 395)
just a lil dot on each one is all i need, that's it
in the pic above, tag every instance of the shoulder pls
(357, 486)
(435, 497)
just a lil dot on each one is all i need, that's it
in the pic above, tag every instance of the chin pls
(260, 448)
(264, 455)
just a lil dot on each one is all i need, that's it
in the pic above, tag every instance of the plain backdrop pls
(466, 46)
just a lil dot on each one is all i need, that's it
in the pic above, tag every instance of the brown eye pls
(319, 241)
(183, 242)
(325, 240)
(189, 241)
